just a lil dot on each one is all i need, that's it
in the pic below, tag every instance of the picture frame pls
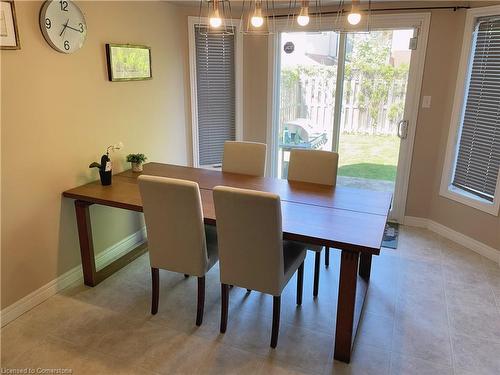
(128, 62)
(9, 33)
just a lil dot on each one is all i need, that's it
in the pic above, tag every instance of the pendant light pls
(257, 20)
(302, 13)
(354, 17)
(214, 16)
(218, 14)
(257, 17)
(303, 17)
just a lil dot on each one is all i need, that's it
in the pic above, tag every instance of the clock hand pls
(72, 28)
(64, 28)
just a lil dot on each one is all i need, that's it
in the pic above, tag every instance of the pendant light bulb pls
(354, 17)
(215, 22)
(257, 20)
(303, 18)
(214, 19)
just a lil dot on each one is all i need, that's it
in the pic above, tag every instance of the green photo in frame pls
(127, 62)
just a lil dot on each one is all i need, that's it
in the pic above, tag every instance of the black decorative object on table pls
(105, 171)
(105, 167)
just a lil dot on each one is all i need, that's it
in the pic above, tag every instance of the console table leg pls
(91, 276)
(86, 243)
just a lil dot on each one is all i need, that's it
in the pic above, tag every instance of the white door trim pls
(419, 21)
(192, 21)
(273, 86)
(413, 94)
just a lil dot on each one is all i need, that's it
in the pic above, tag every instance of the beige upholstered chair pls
(178, 240)
(244, 158)
(252, 252)
(317, 167)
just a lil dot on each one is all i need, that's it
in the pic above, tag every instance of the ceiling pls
(285, 3)
(327, 3)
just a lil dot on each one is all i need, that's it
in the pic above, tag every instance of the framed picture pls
(128, 62)
(9, 35)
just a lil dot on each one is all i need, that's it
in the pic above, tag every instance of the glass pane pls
(309, 63)
(374, 94)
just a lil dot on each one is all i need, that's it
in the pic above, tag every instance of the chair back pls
(249, 235)
(244, 158)
(314, 166)
(174, 223)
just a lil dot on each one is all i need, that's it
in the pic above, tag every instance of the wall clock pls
(63, 25)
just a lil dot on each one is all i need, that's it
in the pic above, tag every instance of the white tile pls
(423, 296)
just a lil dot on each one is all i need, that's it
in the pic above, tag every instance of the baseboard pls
(460, 238)
(73, 276)
(119, 249)
(413, 221)
(33, 299)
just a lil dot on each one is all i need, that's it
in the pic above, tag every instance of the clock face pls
(63, 25)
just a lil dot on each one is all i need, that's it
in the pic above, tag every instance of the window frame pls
(238, 39)
(447, 190)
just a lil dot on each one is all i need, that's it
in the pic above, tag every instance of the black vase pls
(105, 177)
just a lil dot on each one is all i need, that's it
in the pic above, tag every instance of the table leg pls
(352, 292)
(365, 266)
(86, 243)
(91, 276)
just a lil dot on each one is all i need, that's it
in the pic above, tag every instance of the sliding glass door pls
(308, 86)
(348, 93)
(373, 104)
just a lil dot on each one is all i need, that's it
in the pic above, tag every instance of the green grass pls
(368, 156)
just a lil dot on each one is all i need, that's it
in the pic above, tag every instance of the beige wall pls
(436, 82)
(59, 112)
(255, 57)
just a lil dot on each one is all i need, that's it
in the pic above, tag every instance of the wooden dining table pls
(349, 220)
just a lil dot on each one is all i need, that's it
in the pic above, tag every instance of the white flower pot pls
(136, 167)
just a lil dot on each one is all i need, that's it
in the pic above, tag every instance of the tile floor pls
(433, 307)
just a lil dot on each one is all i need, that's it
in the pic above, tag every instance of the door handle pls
(403, 129)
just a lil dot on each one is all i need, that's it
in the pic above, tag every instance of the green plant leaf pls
(136, 158)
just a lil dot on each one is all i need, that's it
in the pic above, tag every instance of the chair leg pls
(327, 257)
(300, 283)
(276, 321)
(317, 261)
(201, 300)
(249, 290)
(224, 307)
(155, 295)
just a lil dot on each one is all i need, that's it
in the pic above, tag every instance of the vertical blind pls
(478, 157)
(215, 80)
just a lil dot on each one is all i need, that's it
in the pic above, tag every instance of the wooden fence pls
(314, 99)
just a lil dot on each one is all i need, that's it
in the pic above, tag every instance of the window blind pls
(478, 157)
(215, 75)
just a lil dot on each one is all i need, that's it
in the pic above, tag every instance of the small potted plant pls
(137, 160)
(105, 168)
